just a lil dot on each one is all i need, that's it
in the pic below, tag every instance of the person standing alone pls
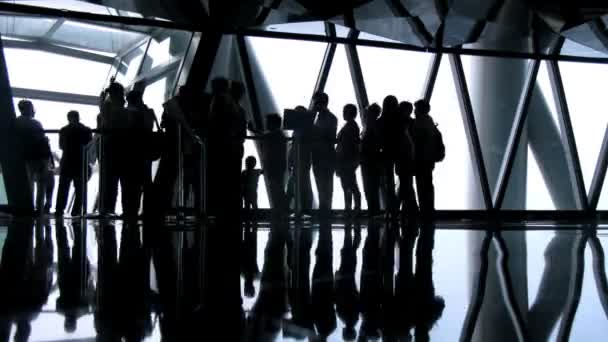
(72, 140)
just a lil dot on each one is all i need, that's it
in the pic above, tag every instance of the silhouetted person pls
(174, 116)
(36, 152)
(424, 139)
(347, 295)
(72, 275)
(347, 158)
(301, 137)
(142, 120)
(72, 140)
(114, 123)
(274, 161)
(250, 178)
(225, 142)
(323, 292)
(392, 130)
(405, 167)
(323, 153)
(371, 158)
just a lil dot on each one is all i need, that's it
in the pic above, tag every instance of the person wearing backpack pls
(429, 149)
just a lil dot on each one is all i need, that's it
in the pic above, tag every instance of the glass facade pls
(80, 57)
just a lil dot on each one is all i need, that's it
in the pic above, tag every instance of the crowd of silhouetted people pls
(391, 142)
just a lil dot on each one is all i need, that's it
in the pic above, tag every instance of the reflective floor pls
(110, 281)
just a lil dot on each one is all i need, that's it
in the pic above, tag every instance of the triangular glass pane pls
(305, 27)
(585, 326)
(457, 185)
(545, 167)
(494, 103)
(3, 198)
(393, 72)
(290, 69)
(572, 48)
(584, 85)
(341, 91)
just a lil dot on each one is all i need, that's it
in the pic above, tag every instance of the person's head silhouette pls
(390, 105)
(300, 108)
(349, 112)
(220, 85)
(135, 98)
(273, 122)
(26, 108)
(320, 100)
(372, 112)
(422, 107)
(116, 92)
(73, 117)
(250, 162)
(406, 108)
(237, 90)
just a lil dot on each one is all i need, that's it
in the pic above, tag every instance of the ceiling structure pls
(513, 27)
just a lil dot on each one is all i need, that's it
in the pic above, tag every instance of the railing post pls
(180, 175)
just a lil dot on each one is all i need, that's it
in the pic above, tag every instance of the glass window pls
(53, 72)
(290, 68)
(3, 198)
(393, 72)
(457, 186)
(157, 93)
(584, 85)
(24, 26)
(306, 27)
(96, 37)
(129, 66)
(169, 45)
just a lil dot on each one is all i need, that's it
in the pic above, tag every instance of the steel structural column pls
(18, 190)
(249, 83)
(431, 77)
(496, 87)
(200, 69)
(328, 59)
(515, 137)
(355, 72)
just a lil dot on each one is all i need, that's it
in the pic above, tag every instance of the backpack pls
(438, 146)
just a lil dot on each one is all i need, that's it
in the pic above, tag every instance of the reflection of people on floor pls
(301, 324)
(323, 294)
(107, 322)
(72, 274)
(429, 307)
(371, 284)
(24, 281)
(249, 264)
(347, 295)
(272, 304)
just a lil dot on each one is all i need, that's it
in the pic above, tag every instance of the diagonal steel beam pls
(599, 175)
(516, 131)
(431, 77)
(249, 83)
(574, 165)
(356, 72)
(466, 109)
